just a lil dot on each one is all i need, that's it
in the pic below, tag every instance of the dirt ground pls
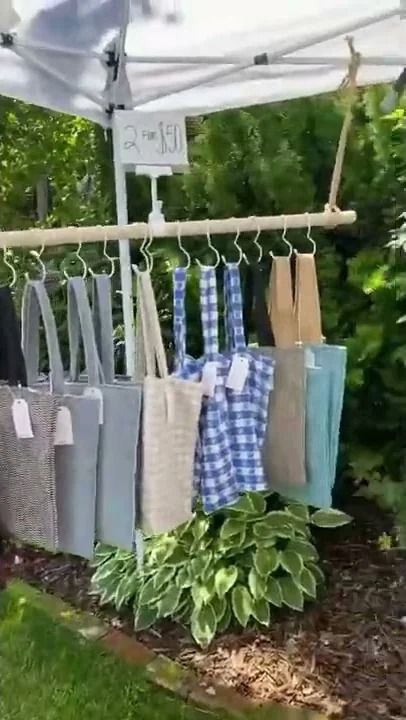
(345, 656)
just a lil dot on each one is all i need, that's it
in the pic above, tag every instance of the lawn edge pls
(159, 669)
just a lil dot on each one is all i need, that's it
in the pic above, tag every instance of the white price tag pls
(238, 373)
(96, 393)
(21, 419)
(209, 378)
(64, 430)
(151, 138)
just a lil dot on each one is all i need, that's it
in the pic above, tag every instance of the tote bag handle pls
(307, 300)
(103, 324)
(280, 303)
(36, 305)
(80, 325)
(150, 356)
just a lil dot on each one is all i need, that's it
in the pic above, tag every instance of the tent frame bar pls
(270, 58)
(49, 237)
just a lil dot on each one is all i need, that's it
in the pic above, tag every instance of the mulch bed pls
(345, 656)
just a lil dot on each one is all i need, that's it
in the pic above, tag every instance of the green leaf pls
(219, 606)
(305, 549)
(261, 612)
(145, 617)
(232, 526)
(257, 584)
(266, 560)
(317, 572)
(241, 602)
(246, 505)
(225, 621)
(200, 564)
(273, 592)
(148, 593)
(330, 518)
(307, 582)
(292, 596)
(183, 578)
(224, 580)
(263, 531)
(258, 502)
(291, 562)
(178, 557)
(126, 588)
(164, 576)
(203, 625)
(104, 571)
(200, 527)
(202, 593)
(169, 602)
(299, 511)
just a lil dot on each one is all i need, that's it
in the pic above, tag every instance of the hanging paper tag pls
(21, 419)
(96, 393)
(238, 373)
(310, 358)
(64, 430)
(209, 378)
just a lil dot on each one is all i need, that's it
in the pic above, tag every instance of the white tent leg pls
(125, 260)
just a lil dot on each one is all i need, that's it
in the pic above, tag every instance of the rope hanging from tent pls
(349, 84)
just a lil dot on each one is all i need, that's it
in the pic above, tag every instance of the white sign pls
(151, 138)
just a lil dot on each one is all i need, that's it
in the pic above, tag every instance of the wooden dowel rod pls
(38, 237)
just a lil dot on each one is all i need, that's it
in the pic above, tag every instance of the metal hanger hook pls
(82, 262)
(284, 239)
(212, 248)
(183, 249)
(237, 247)
(144, 250)
(257, 244)
(309, 236)
(38, 257)
(10, 266)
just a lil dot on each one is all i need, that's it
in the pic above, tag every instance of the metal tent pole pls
(122, 212)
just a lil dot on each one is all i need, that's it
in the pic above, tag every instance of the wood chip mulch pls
(344, 657)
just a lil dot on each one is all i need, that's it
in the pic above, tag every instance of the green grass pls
(49, 673)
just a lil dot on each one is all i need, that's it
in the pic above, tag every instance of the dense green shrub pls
(232, 566)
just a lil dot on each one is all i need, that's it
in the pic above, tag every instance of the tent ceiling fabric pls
(213, 42)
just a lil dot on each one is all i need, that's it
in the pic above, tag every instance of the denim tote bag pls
(120, 417)
(76, 463)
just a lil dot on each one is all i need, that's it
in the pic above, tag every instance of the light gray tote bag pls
(121, 405)
(170, 417)
(76, 463)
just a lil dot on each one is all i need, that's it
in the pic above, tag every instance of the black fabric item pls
(255, 308)
(12, 364)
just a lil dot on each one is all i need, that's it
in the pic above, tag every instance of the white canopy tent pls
(88, 57)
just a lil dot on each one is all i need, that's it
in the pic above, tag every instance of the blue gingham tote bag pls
(247, 407)
(215, 476)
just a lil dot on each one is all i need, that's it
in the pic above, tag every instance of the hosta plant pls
(233, 566)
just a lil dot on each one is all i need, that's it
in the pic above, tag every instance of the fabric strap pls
(179, 314)
(280, 303)
(80, 325)
(151, 358)
(307, 300)
(234, 323)
(103, 324)
(36, 305)
(255, 307)
(209, 311)
(12, 365)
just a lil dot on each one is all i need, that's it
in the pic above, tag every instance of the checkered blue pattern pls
(214, 471)
(232, 425)
(248, 410)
